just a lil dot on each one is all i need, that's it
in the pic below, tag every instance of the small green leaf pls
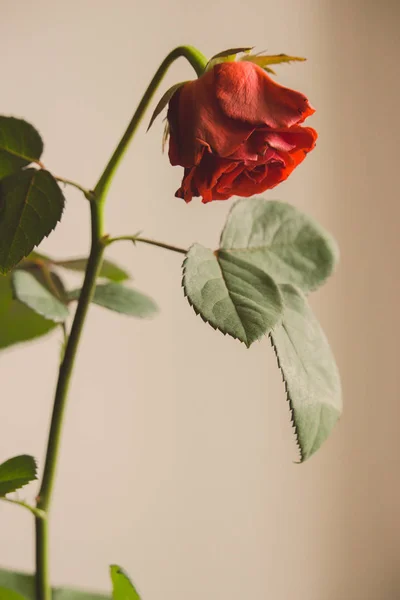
(166, 134)
(109, 270)
(16, 472)
(28, 290)
(164, 101)
(123, 588)
(232, 52)
(226, 56)
(309, 371)
(230, 294)
(31, 204)
(281, 240)
(18, 323)
(10, 595)
(121, 299)
(25, 585)
(275, 59)
(20, 144)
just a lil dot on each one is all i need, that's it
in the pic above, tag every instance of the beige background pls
(177, 459)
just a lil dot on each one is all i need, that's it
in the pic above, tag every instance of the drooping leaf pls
(232, 52)
(25, 585)
(226, 56)
(123, 588)
(309, 371)
(165, 136)
(164, 101)
(20, 144)
(230, 294)
(16, 472)
(31, 205)
(10, 595)
(109, 270)
(276, 237)
(28, 290)
(121, 299)
(18, 323)
(275, 59)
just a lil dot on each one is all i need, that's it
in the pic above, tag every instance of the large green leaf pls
(281, 240)
(230, 294)
(31, 204)
(10, 595)
(25, 585)
(31, 292)
(16, 472)
(18, 323)
(123, 588)
(309, 371)
(20, 144)
(109, 270)
(121, 299)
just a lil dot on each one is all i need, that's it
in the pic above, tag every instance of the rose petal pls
(247, 94)
(196, 120)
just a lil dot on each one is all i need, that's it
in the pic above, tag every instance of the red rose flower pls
(236, 132)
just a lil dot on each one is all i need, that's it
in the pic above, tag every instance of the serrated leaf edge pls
(215, 327)
(329, 240)
(35, 471)
(288, 398)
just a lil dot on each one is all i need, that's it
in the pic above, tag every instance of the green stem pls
(35, 511)
(87, 193)
(134, 239)
(99, 240)
(43, 590)
(198, 62)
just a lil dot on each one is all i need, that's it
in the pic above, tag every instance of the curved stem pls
(43, 590)
(134, 239)
(99, 241)
(198, 62)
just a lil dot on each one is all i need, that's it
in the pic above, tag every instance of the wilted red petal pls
(196, 120)
(246, 93)
(236, 132)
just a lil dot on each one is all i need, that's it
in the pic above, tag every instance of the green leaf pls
(20, 144)
(230, 294)
(164, 101)
(10, 595)
(18, 323)
(20, 582)
(226, 56)
(276, 237)
(121, 299)
(109, 270)
(31, 204)
(309, 371)
(274, 59)
(25, 585)
(16, 472)
(231, 52)
(123, 588)
(166, 134)
(28, 290)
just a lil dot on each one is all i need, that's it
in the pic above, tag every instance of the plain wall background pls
(177, 457)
